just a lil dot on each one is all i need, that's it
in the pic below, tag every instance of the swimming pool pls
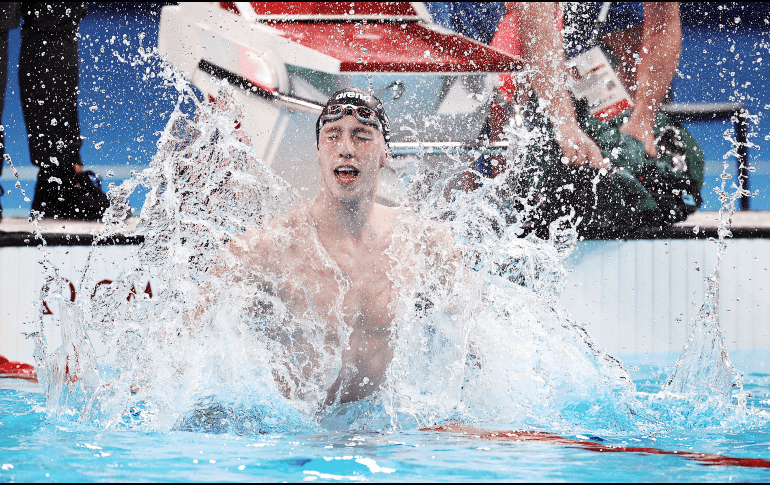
(33, 448)
(486, 347)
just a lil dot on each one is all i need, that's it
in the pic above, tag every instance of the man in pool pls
(328, 263)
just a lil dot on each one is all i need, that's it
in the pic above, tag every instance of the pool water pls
(33, 448)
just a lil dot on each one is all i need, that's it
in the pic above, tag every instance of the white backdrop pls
(633, 296)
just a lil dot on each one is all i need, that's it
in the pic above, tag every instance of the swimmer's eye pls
(363, 135)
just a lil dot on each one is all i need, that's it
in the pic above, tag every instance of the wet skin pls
(353, 232)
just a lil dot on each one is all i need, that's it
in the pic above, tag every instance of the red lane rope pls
(708, 459)
(26, 371)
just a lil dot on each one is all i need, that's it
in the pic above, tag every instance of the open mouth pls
(346, 175)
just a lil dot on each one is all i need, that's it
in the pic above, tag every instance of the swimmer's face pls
(351, 155)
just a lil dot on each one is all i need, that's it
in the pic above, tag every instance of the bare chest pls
(355, 288)
(370, 291)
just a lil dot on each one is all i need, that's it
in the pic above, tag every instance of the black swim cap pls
(356, 97)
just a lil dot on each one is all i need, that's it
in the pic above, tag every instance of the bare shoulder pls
(385, 218)
(433, 233)
(271, 241)
(438, 233)
(427, 236)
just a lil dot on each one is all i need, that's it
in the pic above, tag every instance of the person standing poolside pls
(48, 78)
(646, 36)
(621, 166)
(328, 261)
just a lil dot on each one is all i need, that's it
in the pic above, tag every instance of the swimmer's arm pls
(442, 252)
(245, 254)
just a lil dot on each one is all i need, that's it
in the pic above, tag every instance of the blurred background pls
(124, 106)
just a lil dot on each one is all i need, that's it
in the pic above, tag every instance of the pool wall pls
(22, 278)
(640, 296)
(633, 296)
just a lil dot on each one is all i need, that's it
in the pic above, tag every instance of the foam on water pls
(476, 337)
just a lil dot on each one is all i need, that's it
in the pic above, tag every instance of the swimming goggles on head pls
(363, 114)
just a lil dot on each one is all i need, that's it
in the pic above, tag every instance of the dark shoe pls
(70, 195)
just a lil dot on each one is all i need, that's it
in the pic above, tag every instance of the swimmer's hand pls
(578, 148)
(639, 125)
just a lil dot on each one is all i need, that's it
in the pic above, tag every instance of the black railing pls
(738, 114)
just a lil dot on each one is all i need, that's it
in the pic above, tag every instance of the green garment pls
(638, 191)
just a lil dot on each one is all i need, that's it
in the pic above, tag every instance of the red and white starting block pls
(286, 59)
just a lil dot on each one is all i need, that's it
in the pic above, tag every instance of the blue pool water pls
(32, 448)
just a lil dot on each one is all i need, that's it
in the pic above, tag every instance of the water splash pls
(704, 373)
(204, 190)
(477, 337)
(476, 334)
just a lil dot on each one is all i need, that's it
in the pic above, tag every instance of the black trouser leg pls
(9, 19)
(3, 81)
(48, 77)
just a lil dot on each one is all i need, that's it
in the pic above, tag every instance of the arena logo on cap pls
(360, 96)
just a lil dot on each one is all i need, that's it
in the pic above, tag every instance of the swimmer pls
(326, 261)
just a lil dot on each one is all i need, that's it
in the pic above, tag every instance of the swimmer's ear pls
(386, 152)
